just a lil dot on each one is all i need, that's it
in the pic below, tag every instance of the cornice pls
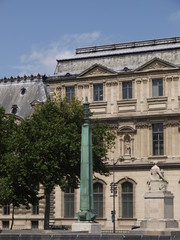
(124, 74)
(143, 166)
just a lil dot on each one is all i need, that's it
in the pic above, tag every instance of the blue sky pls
(34, 33)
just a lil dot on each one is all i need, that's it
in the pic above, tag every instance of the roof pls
(126, 48)
(117, 57)
(20, 93)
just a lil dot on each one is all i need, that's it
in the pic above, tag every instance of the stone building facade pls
(135, 88)
(20, 96)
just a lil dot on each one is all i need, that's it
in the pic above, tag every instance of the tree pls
(51, 139)
(16, 187)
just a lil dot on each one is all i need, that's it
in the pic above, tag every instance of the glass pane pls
(157, 87)
(69, 202)
(155, 91)
(98, 92)
(127, 200)
(70, 92)
(160, 90)
(127, 187)
(127, 90)
(158, 139)
(98, 199)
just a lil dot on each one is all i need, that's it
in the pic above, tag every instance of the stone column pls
(86, 215)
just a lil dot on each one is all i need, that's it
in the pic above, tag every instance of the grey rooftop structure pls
(19, 95)
(120, 57)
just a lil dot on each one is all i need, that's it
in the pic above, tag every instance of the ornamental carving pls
(113, 126)
(96, 72)
(80, 86)
(111, 83)
(175, 78)
(157, 65)
(108, 84)
(126, 129)
(86, 86)
(114, 83)
(58, 89)
(144, 124)
(172, 123)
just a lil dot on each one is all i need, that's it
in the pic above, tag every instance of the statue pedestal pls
(159, 208)
(158, 211)
(89, 227)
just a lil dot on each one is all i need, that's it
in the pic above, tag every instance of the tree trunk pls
(12, 222)
(47, 209)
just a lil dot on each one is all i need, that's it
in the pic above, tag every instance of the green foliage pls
(53, 138)
(16, 186)
(45, 149)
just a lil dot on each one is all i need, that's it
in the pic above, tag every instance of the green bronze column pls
(86, 178)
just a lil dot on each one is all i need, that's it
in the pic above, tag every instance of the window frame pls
(157, 87)
(69, 203)
(127, 90)
(70, 93)
(6, 209)
(128, 202)
(158, 139)
(5, 224)
(98, 92)
(98, 199)
(35, 209)
(34, 224)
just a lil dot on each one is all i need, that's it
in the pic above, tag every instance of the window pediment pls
(97, 70)
(156, 64)
(126, 129)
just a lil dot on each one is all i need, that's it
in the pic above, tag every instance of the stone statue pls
(157, 181)
(127, 147)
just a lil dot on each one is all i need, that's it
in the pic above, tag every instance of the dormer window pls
(14, 109)
(23, 91)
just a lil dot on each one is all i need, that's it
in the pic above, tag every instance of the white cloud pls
(43, 60)
(175, 16)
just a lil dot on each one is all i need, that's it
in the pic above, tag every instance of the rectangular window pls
(70, 93)
(157, 87)
(98, 199)
(158, 139)
(5, 224)
(35, 209)
(98, 92)
(127, 200)
(127, 90)
(6, 209)
(69, 203)
(34, 224)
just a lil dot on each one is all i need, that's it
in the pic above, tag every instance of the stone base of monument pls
(90, 227)
(158, 211)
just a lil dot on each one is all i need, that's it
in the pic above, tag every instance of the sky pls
(35, 33)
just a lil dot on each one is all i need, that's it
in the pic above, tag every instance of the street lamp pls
(113, 188)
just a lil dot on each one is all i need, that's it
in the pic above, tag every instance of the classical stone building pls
(19, 96)
(134, 87)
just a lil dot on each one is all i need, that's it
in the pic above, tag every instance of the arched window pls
(69, 202)
(127, 199)
(98, 199)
